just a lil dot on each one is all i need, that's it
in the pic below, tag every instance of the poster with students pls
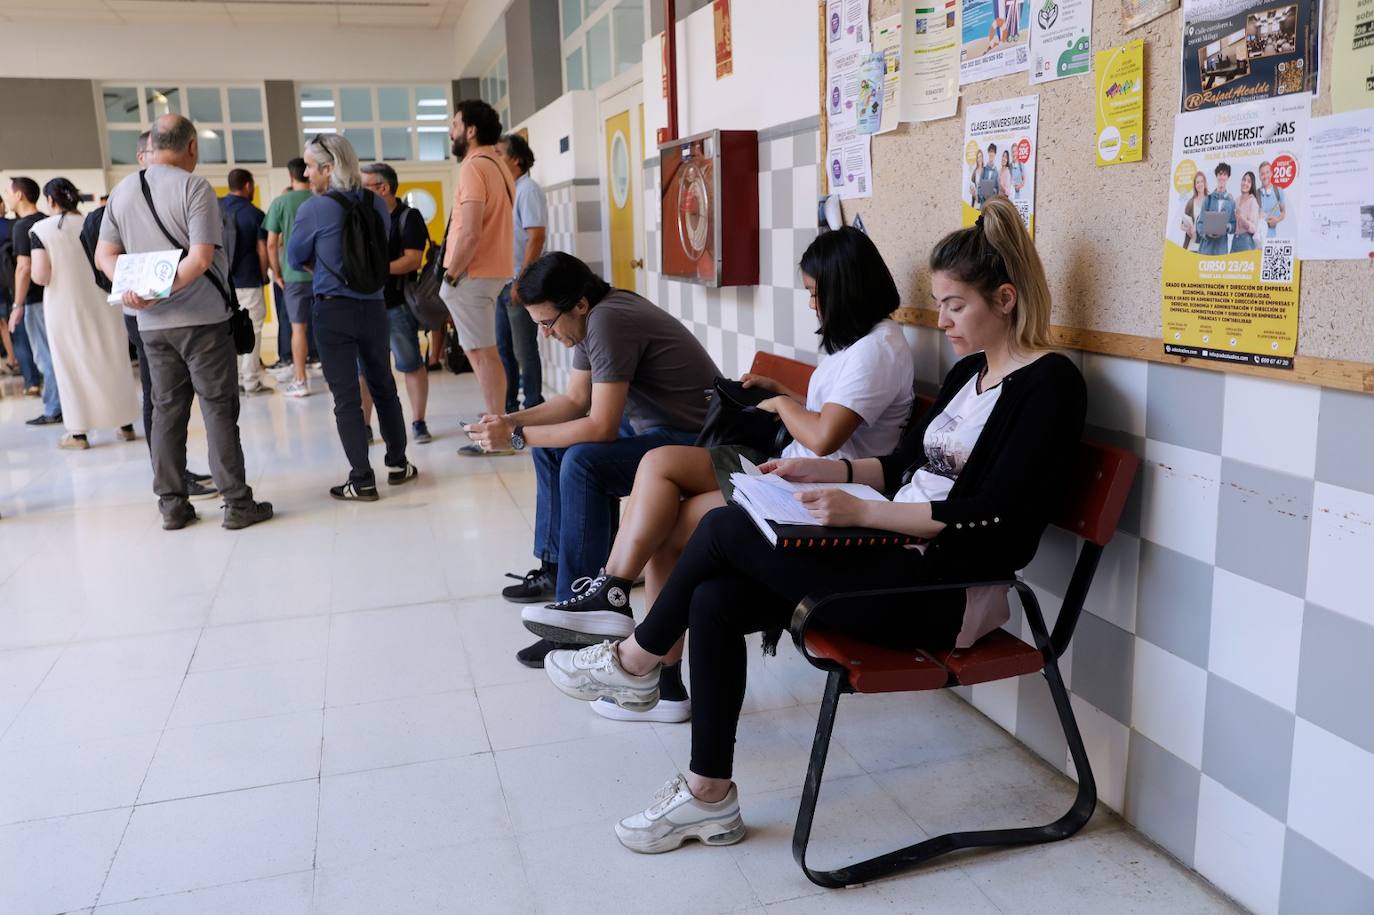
(1239, 51)
(995, 39)
(1231, 273)
(1000, 140)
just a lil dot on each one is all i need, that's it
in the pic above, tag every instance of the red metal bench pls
(1102, 480)
(790, 372)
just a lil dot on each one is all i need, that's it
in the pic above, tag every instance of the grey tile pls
(713, 307)
(801, 240)
(1335, 677)
(729, 350)
(596, 267)
(1161, 796)
(1345, 440)
(1264, 524)
(1037, 723)
(765, 156)
(745, 314)
(652, 251)
(1174, 602)
(782, 198)
(1314, 880)
(1054, 559)
(1103, 665)
(806, 149)
(1184, 406)
(588, 216)
(782, 316)
(765, 257)
(1248, 746)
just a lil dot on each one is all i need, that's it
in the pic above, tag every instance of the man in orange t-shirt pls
(477, 251)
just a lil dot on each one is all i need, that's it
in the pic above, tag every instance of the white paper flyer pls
(149, 275)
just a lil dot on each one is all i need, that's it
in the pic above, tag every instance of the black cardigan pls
(1016, 476)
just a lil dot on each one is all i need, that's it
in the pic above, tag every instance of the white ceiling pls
(398, 13)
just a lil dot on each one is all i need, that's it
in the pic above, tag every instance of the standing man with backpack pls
(246, 243)
(340, 236)
(406, 247)
(28, 297)
(477, 251)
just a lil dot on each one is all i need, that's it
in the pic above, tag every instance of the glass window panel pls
(593, 5)
(162, 101)
(572, 16)
(573, 71)
(629, 34)
(203, 105)
(245, 106)
(393, 103)
(317, 106)
(599, 53)
(396, 143)
(121, 104)
(364, 142)
(123, 147)
(355, 104)
(434, 144)
(211, 145)
(431, 104)
(249, 146)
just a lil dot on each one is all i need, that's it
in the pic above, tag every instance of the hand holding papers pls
(149, 276)
(773, 504)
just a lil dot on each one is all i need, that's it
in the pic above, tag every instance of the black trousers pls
(354, 339)
(730, 582)
(145, 376)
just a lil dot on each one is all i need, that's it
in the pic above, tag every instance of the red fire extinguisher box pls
(709, 193)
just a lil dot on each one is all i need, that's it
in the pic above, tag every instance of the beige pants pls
(472, 303)
(250, 364)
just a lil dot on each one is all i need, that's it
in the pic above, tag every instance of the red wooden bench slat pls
(877, 670)
(790, 372)
(1102, 479)
(996, 656)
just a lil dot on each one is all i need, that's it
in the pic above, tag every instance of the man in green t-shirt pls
(281, 217)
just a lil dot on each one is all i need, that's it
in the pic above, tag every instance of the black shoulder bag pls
(240, 324)
(733, 417)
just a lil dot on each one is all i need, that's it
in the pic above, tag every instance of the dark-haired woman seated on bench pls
(978, 478)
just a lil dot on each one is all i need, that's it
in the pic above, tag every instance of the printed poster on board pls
(872, 89)
(996, 39)
(1061, 39)
(1121, 104)
(846, 25)
(1135, 13)
(1239, 51)
(848, 164)
(999, 156)
(842, 88)
(725, 42)
(887, 41)
(1338, 221)
(1231, 273)
(931, 46)
(1352, 76)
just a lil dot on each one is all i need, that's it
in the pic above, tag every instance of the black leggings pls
(730, 582)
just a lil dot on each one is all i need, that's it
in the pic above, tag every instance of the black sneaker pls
(402, 475)
(351, 492)
(533, 655)
(245, 514)
(178, 517)
(44, 420)
(536, 587)
(203, 478)
(599, 610)
(197, 490)
(420, 432)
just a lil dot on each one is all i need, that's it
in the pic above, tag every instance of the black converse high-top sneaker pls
(598, 610)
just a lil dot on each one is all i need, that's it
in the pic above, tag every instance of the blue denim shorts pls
(405, 339)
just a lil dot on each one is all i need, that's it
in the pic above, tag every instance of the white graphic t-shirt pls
(949, 440)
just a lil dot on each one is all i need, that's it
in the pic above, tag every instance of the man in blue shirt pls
(247, 268)
(517, 337)
(351, 327)
(1273, 208)
(1219, 201)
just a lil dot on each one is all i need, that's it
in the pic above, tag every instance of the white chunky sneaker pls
(676, 816)
(668, 711)
(598, 609)
(594, 672)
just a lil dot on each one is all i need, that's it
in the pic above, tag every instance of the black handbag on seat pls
(733, 417)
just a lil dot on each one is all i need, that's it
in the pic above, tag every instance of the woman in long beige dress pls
(90, 348)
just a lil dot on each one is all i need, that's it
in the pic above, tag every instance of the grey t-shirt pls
(188, 208)
(530, 212)
(631, 339)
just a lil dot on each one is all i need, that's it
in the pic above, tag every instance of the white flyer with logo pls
(149, 275)
(1061, 39)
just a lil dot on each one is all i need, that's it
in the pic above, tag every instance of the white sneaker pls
(282, 373)
(594, 672)
(668, 711)
(676, 816)
(254, 386)
(295, 388)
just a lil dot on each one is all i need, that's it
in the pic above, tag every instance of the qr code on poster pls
(1023, 207)
(1278, 262)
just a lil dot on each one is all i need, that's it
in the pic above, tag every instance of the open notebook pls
(772, 504)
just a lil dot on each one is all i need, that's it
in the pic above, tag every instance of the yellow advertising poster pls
(1352, 79)
(1121, 103)
(998, 157)
(1230, 282)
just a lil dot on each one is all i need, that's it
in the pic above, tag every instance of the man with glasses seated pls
(632, 361)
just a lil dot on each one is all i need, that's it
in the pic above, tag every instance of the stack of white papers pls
(149, 275)
(771, 497)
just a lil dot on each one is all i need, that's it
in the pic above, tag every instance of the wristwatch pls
(517, 438)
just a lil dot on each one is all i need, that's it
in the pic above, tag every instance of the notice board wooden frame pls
(1162, 75)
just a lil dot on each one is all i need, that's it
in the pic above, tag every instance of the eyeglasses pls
(548, 325)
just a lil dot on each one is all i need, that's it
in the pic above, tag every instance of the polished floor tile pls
(323, 714)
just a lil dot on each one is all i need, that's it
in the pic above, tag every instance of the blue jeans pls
(405, 339)
(577, 489)
(517, 343)
(23, 353)
(36, 325)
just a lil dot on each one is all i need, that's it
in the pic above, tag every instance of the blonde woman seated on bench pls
(855, 406)
(977, 478)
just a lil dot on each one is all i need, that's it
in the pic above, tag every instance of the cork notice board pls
(1100, 230)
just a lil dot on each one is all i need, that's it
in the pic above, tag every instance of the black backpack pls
(366, 256)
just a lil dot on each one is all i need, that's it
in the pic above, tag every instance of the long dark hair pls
(63, 193)
(854, 288)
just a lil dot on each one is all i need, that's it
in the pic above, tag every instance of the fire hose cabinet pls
(709, 196)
